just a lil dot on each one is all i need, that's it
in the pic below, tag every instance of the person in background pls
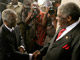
(40, 28)
(5, 1)
(21, 1)
(50, 19)
(29, 26)
(66, 45)
(37, 29)
(56, 3)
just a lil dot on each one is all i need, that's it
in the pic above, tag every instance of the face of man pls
(63, 21)
(12, 21)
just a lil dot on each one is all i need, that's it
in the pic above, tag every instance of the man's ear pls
(69, 18)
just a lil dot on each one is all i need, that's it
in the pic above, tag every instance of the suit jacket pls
(20, 41)
(66, 48)
(8, 46)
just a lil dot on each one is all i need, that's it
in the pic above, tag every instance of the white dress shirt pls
(69, 28)
(10, 29)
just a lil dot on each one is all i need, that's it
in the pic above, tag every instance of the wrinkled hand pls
(36, 54)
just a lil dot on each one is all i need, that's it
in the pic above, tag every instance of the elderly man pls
(18, 8)
(65, 46)
(8, 42)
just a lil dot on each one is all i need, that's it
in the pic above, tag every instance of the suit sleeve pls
(76, 51)
(20, 40)
(43, 51)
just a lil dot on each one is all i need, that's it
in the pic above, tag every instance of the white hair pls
(70, 9)
(6, 14)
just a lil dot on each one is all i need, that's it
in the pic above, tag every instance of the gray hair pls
(70, 9)
(6, 14)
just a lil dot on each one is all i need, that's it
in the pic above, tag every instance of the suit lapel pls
(65, 38)
(53, 39)
(11, 38)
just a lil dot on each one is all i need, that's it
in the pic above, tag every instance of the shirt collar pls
(72, 25)
(69, 28)
(10, 29)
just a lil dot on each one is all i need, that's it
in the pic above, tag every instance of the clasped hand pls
(36, 54)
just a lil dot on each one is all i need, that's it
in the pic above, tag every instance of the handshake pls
(35, 55)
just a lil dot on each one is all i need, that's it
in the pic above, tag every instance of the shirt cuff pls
(30, 56)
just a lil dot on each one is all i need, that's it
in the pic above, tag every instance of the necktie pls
(13, 32)
(60, 32)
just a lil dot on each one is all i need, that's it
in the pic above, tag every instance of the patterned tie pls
(60, 32)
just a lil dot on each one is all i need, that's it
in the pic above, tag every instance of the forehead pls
(58, 12)
(62, 12)
(60, 15)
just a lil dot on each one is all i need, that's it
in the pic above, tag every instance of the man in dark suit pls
(20, 41)
(8, 42)
(66, 46)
